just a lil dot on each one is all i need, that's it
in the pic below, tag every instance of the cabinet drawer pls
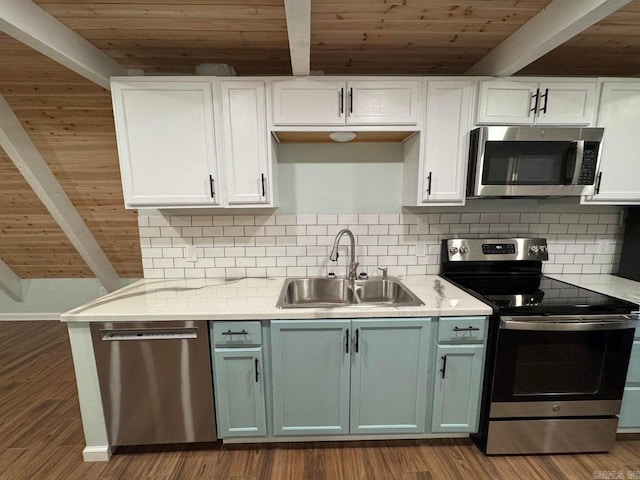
(236, 334)
(461, 330)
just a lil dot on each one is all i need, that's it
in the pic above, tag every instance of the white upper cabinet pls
(247, 170)
(537, 101)
(320, 102)
(193, 142)
(436, 173)
(618, 180)
(166, 142)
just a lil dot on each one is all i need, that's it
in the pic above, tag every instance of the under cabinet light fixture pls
(342, 136)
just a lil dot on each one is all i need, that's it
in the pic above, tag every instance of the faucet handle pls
(384, 272)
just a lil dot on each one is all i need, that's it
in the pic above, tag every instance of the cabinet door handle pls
(351, 100)
(429, 183)
(212, 187)
(535, 105)
(341, 101)
(444, 365)
(546, 100)
(229, 332)
(346, 344)
(262, 183)
(598, 182)
(357, 340)
(257, 372)
(467, 329)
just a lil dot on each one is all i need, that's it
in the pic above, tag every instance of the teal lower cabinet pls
(335, 377)
(630, 411)
(239, 379)
(459, 369)
(389, 375)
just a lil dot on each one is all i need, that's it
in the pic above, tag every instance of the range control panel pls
(502, 249)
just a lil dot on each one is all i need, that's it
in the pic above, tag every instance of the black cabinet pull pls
(537, 97)
(444, 365)
(262, 183)
(346, 344)
(341, 101)
(211, 187)
(357, 339)
(429, 183)
(467, 329)
(257, 373)
(598, 182)
(229, 332)
(351, 100)
(546, 100)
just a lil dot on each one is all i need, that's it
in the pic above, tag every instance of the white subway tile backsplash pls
(278, 245)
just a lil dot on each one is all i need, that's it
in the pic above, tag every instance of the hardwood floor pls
(41, 438)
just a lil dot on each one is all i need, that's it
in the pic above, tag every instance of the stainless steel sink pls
(321, 292)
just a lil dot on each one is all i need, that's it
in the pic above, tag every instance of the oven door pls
(561, 366)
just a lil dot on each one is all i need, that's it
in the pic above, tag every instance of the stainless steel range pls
(557, 354)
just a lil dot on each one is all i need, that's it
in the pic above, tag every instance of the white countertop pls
(255, 298)
(607, 284)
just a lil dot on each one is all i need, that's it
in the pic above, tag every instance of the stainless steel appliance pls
(630, 255)
(557, 354)
(155, 381)
(533, 161)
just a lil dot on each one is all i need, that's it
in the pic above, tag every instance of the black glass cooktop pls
(538, 295)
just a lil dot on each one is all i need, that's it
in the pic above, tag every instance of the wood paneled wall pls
(70, 120)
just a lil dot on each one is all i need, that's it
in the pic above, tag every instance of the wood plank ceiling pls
(70, 119)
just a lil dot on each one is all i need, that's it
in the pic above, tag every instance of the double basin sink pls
(338, 292)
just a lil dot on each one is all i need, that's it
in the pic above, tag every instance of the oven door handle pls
(570, 323)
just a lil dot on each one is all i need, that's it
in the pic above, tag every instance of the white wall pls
(46, 299)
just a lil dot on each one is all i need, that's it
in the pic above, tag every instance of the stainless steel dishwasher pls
(155, 381)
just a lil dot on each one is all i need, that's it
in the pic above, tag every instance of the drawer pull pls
(229, 332)
(467, 329)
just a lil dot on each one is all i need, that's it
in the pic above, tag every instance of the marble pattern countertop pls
(255, 299)
(613, 285)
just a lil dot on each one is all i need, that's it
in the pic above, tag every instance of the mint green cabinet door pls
(389, 375)
(630, 410)
(457, 388)
(239, 383)
(311, 368)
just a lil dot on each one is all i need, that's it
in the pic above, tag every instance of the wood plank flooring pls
(41, 438)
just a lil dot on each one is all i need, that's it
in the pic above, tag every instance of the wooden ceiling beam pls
(11, 283)
(551, 27)
(298, 15)
(33, 26)
(18, 146)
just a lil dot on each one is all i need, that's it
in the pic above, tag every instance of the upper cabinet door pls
(537, 101)
(503, 102)
(247, 169)
(383, 102)
(566, 103)
(446, 144)
(618, 178)
(308, 102)
(166, 142)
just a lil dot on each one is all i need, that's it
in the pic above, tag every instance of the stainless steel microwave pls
(533, 161)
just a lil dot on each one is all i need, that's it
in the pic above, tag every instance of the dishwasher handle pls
(148, 334)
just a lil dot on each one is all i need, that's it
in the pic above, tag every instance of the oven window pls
(526, 163)
(560, 365)
(559, 369)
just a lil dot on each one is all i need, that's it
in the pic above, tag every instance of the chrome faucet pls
(353, 265)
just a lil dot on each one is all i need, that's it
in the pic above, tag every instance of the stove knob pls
(533, 249)
(463, 250)
(542, 248)
(453, 250)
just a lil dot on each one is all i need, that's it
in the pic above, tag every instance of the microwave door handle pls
(572, 176)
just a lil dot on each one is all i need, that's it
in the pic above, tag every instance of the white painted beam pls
(298, 13)
(33, 26)
(11, 283)
(16, 143)
(552, 26)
